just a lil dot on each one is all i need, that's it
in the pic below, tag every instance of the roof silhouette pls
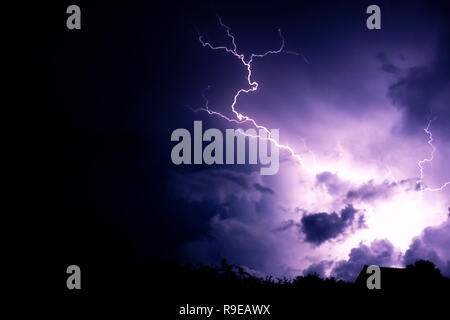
(422, 276)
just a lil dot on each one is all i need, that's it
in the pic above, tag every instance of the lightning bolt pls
(422, 162)
(253, 86)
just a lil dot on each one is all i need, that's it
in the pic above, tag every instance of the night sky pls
(353, 103)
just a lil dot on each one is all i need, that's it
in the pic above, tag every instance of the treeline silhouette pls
(421, 275)
(165, 287)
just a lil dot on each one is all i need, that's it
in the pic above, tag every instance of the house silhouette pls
(391, 278)
(423, 276)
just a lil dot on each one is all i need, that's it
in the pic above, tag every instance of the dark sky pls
(353, 104)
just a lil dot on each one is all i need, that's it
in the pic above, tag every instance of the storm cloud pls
(220, 185)
(371, 191)
(386, 65)
(332, 182)
(379, 252)
(318, 269)
(432, 245)
(424, 90)
(320, 227)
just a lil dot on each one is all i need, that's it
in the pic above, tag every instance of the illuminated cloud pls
(432, 245)
(379, 252)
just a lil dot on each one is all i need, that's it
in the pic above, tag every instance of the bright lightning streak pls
(421, 163)
(241, 118)
(212, 112)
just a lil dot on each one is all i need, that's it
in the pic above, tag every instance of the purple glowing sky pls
(350, 114)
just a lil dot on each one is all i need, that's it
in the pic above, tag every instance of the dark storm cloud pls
(263, 189)
(386, 65)
(380, 252)
(318, 268)
(332, 182)
(287, 225)
(425, 89)
(218, 185)
(432, 245)
(320, 227)
(372, 191)
(418, 250)
(368, 191)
